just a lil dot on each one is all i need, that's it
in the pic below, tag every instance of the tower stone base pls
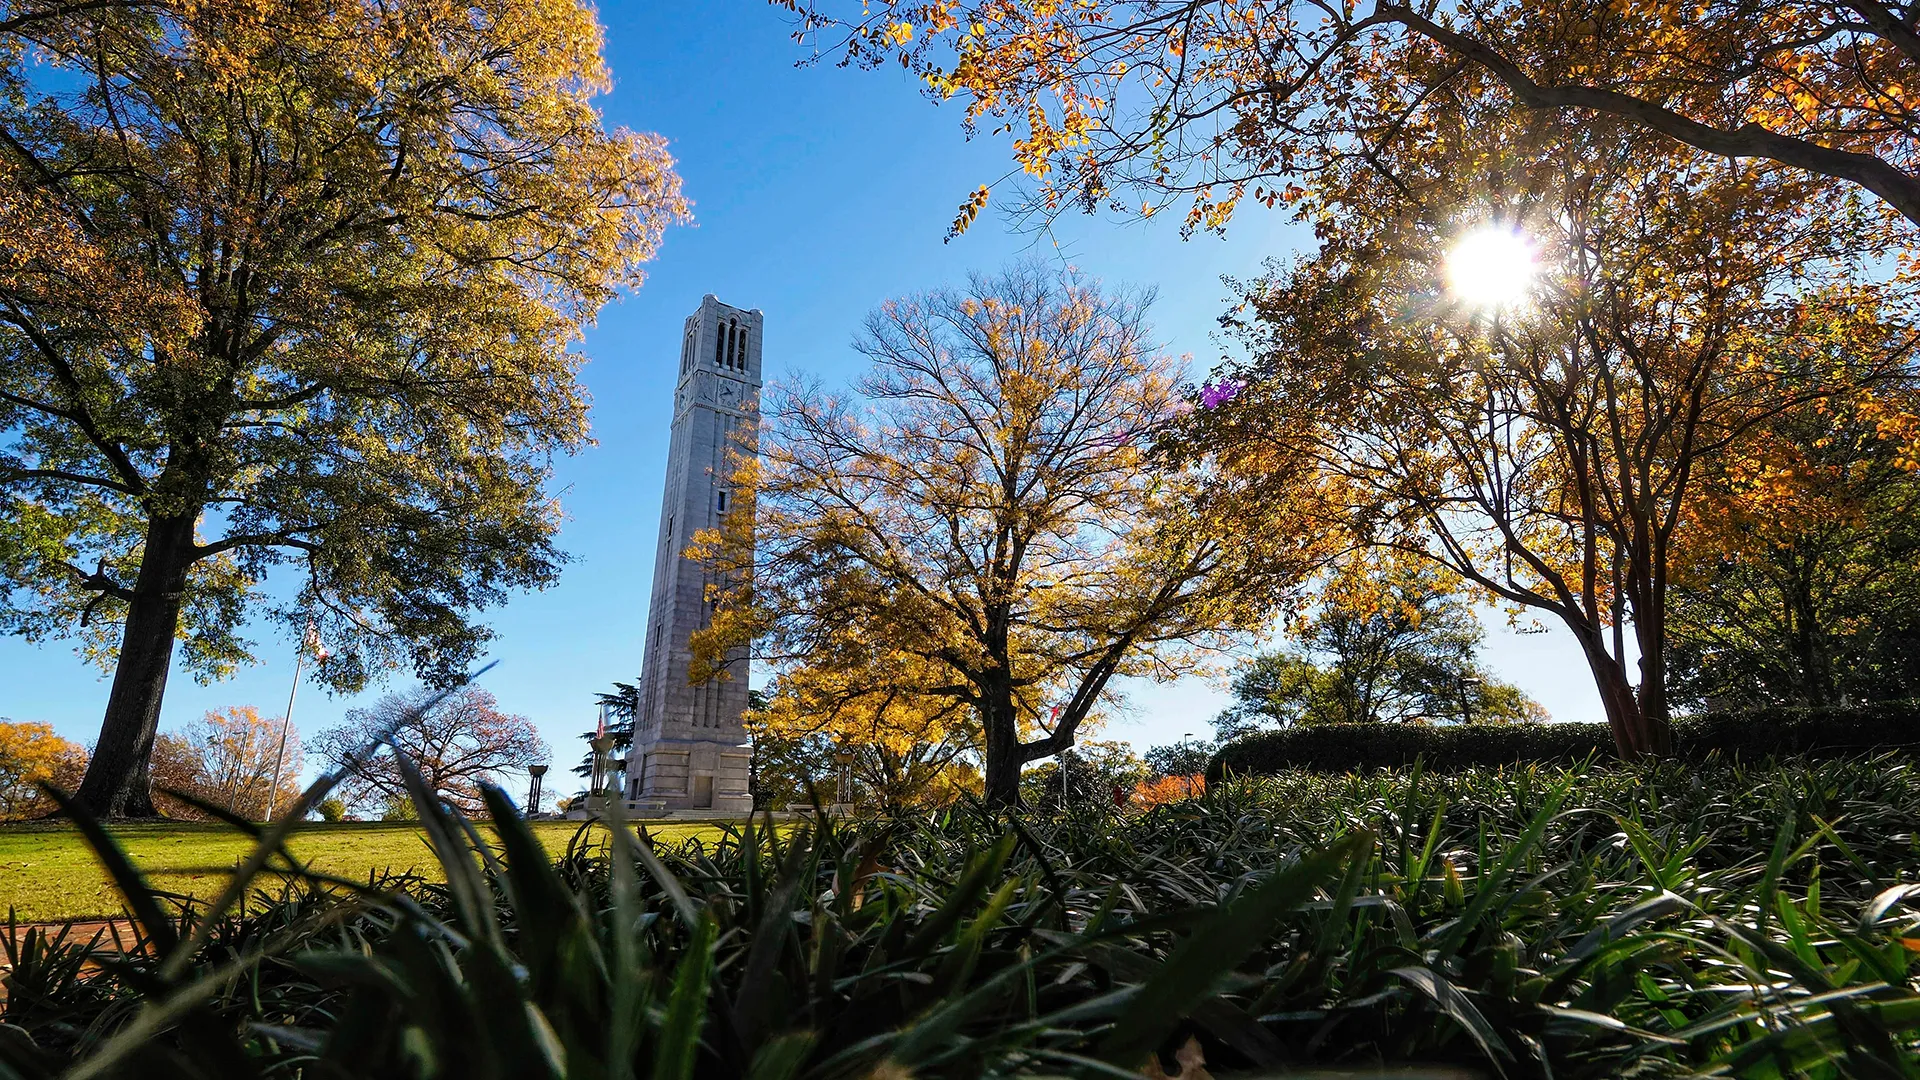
(680, 775)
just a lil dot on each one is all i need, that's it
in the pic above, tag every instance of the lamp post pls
(1186, 741)
(536, 779)
(309, 642)
(1467, 685)
(843, 777)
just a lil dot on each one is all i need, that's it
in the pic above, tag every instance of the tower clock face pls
(729, 393)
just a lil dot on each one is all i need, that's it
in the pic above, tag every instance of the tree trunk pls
(117, 783)
(1656, 722)
(1631, 738)
(1815, 683)
(1003, 758)
(1650, 634)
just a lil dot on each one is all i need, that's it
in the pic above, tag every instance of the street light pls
(843, 776)
(1186, 743)
(1468, 683)
(537, 775)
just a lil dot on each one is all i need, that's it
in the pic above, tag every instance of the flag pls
(600, 732)
(312, 643)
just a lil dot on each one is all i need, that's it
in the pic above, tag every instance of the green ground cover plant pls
(48, 872)
(1750, 733)
(1665, 920)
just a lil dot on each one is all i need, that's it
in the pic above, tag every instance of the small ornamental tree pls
(295, 283)
(460, 742)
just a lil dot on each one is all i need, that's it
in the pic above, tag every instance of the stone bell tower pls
(689, 751)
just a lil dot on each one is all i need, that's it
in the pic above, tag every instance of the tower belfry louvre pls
(689, 743)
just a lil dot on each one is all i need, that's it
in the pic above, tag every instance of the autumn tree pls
(985, 505)
(229, 758)
(1142, 103)
(295, 283)
(32, 755)
(871, 714)
(457, 740)
(1798, 581)
(1548, 452)
(1386, 641)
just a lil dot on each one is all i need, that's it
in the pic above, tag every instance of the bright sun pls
(1491, 267)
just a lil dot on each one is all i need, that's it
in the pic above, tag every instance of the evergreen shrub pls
(1749, 733)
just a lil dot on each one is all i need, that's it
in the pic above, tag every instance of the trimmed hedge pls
(1753, 733)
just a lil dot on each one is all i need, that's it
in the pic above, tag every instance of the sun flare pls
(1491, 267)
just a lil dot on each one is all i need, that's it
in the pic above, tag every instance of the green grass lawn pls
(47, 872)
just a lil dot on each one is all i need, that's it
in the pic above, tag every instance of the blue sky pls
(818, 192)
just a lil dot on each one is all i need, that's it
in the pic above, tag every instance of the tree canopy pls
(31, 754)
(1549, 452)
(901, 743)
(228, 758)
(456, 740)
(1798, 578)
(1388, 641)
(291, 283)
(986, 509)
(1143, 103)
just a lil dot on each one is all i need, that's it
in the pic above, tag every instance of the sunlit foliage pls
(1389, 639)
(899, 744)
(295, 283)
(1798, 580)
(228, 758)
(31, 754)
(983, 518)
(1143, 104)
(1550, 453)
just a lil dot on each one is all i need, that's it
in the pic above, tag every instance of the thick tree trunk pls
(1003, 757)
(1656, 722)
(1650, 633)
(117, 783)
(1631, 738)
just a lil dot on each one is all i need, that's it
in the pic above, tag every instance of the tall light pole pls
(309, 640)
(1186, 741)
(843, 776)
(1467, 685)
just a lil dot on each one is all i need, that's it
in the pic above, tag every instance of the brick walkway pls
(108, 935)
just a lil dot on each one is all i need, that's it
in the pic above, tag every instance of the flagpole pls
(280, 752)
